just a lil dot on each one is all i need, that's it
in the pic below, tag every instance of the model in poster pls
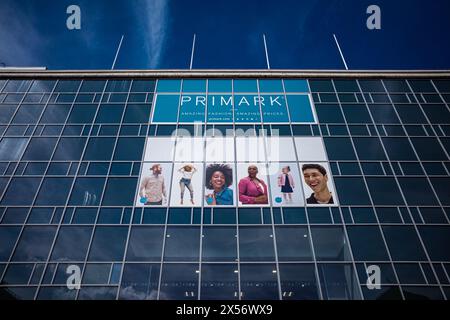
(286, 182)
(219, 178)
(187, 172)
(153, 189)
(316, 178)
(252, 190)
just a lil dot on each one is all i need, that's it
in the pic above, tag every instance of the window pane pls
(338, 282)
(54, 191)
(256, 244)
(108, 244)
(40, 149)
(145, 244)
(21, 191)
(139, 282)
(293, 244)
(329, 244)
(367, 243)
(34, 244)
(403, 243)
(298, 282)
(120, 192)
(8, 237)
(219, 244)
(436, 239)
(219, 282)
(87, 191)
(179, 282)
(71, 243)
(182, 244)
(259, 282)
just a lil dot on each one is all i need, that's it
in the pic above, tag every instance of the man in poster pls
(316, 178)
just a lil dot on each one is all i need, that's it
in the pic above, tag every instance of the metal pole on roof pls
(267, 53)
(340, 51)
(117, 53)
(192, 53)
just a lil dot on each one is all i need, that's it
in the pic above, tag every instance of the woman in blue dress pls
(218, 179)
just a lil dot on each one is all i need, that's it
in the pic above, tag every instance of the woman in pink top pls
(251, 189)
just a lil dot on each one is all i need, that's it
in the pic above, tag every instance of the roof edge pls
(217, 73)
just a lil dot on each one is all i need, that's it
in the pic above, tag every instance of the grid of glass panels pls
(71, 153)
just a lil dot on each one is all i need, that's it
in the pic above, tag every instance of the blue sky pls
(158, 34)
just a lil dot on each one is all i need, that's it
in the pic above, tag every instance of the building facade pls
(224, 185)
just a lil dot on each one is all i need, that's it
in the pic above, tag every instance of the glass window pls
(351, 191)
(69, 149)
(12, 148)
(329, 244)
(97, 293)
(143, 86)
(99, 149)
(40, 215)
(21, 191)
(118, 86)
(82, 113)
(166, 108)
(295, 85)
(259, 282)
(396, 86)
(219, 85)
(28, 113)
(15, 216)
(371, 85)
(18, 274)
(384, 191)
(129, 149)
(421, 86)
(417, 191)
(429, 149)
(119, 192)
(300, 109)
(54, 191)
(256, 244)
(346, 85)
(108, 244)
(40, 149)
(367, 243)
(298, 282)
(441, 186)
(139, 282)
(34, 244)
(42, 85)
(410, 273)
(410, 113)
(182, 244)
(338, 282)
(383, 114)
(55, 113)
(293, 244)
(219, 244)
(435, 238)
(356, 113)
(137, 113)
(8, 237)
(72, 243)
(179, 282)
(169, 85)
(87, 191)
(84, 216)
(56, 293)
(245, 85)
(321, 85)
(219, 282)
(270, 85)
(329, 113)
(92, 86)
(145, 244)
(403, 243)
(67, 86)
(399, 149)
(6, 113)
(96, 273)
(109, 113)
(194, 85)
(369, 149)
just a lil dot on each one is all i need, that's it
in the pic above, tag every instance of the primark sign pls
(226, 108)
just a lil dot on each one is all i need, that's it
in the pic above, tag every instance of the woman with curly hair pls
(219, 178)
